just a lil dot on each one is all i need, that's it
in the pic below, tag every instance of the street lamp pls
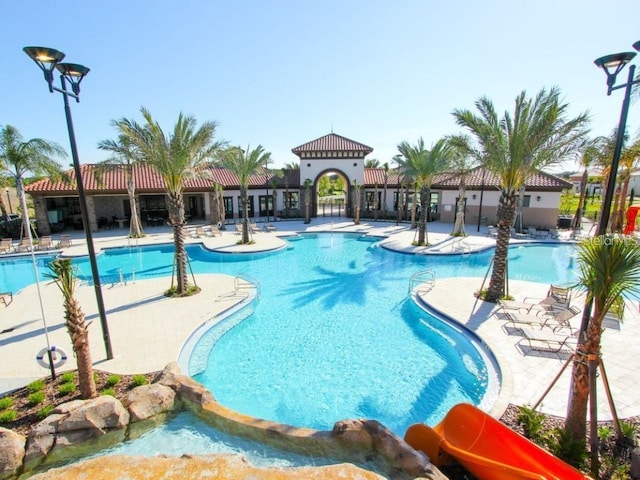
(612, 65)
(48, 59)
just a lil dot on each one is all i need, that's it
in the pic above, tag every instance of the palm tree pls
(462, 162)
(372, 163)
(385, 168)
(628, 159)
(422, 166)
(61, 271)
(17, 158)
(245, 164)
(357, 201)
(178, 157)
(125, 157)
(513, 147)
(609, 268)
(589, 152)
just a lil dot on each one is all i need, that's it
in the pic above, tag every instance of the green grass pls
(113, 380)
(139, 380)
(67, 377)
(36, 398)
(66, 388)
(7, 416)
(36, 386)
(5, 402)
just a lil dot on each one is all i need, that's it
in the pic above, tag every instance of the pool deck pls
(148, 330)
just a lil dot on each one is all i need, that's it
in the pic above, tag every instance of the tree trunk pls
(576, 422)
(135, 229)
(458, 227)
(307, 205)
(424, 210)
(576, 222)
(414, 207)
(176, 217)
(245, 214)
(222, 214)
(79, 333)
(506, 210)
(384, 198)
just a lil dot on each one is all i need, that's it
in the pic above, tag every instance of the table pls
(121, 222)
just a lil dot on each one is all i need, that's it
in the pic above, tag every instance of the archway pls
(332, 193)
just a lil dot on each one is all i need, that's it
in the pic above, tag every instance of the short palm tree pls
(61, 271)
(422, 166)
(35, 156)
(537, 135)
(125, 157)
(609, 268)
(178, 157)
(588, 152)
(244, 164)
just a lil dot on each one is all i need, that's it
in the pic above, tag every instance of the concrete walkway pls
(148, 330)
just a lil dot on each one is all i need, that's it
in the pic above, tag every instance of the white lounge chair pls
(546, 339)
(269, 228)
(6, 245)
(553, 320)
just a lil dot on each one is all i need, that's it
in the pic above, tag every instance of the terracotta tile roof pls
(146, 178)
(474, 179)
(332, 142)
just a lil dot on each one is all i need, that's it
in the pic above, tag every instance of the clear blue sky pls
(281, 73)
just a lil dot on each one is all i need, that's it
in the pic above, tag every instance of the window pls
(250, 205)
(291, 200)
(526, 201)
(371, 202)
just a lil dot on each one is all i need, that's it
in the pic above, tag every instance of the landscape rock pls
(147, 401)
(11, 452)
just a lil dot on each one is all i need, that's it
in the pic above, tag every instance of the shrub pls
(66, 388)
(113, 380)
(108, 391)
(563, 445)
(35, 386)
(533, 424)
(67, 377)
(45, 411)
(7, 416)
(5, 402)
(35, 398)
(139, 380)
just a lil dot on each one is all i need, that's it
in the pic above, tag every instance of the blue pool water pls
(334, 334)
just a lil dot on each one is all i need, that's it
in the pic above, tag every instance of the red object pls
(487, 448)
(632, 213)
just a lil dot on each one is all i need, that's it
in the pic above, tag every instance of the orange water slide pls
(487, 448)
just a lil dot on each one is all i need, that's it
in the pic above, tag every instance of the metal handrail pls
(424, 277)
(242, 281)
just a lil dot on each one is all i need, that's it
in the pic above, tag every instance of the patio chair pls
(45, 243)
(6, 245)
(535, 233)
(65, 241)
(215, 230)
(553, 320)
(253, 227)
(269, 228)
(492, 231)
(239, 228)
(6, 298)
(198, 232)
(25, 245)
(553, 232)
(558, 298)
(546, 340)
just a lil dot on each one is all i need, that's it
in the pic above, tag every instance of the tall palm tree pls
(628, 160)
(125, 157)
(245, 163)
(385, 168)
(422, 166)
(36, 156)
(180, 156)
(609, 268)
(307, 200)
(513, 147)
(372, 163)
(61, 271)
(462, 162)
(357, 201)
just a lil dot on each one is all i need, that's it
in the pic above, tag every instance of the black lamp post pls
(48, 59)
(9, 200)
(612, 65)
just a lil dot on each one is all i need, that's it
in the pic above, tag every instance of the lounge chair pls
(553, 232)
(45, 243)
(65, 241)
(558, 298)
(6, 298)
(198, 232)
(215, 230)
(6, 245)
(269, 228)
(253, 227)
(535, 233)
(239, 228)
(492, 231)
(553, 320)
(25, 245)
(546, 339)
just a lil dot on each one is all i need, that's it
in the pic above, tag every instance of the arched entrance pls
(332, 194)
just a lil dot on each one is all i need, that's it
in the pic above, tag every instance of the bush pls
(7, 416)
(113, 380)
(533, 424)
(36, 386)
(35, 398)
(5, 402)
(564, 446)
(139, 380)
(66, 388)
(108, 391)
(45, 411)
(67, 377)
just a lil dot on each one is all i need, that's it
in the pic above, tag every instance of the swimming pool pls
(334, 334)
